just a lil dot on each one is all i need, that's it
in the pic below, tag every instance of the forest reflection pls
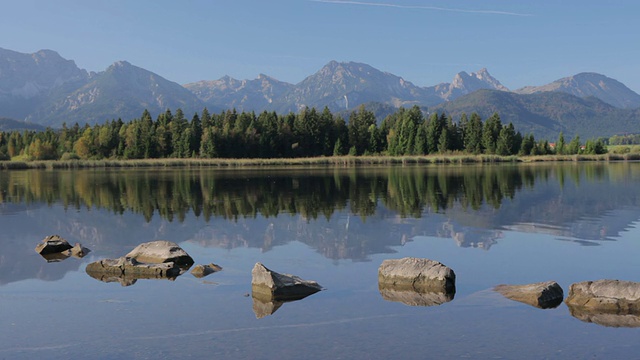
(230, 194)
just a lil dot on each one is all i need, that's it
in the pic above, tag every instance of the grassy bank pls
(338, 160)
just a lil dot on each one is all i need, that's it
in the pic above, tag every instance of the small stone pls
(201, 271)
(77, 251)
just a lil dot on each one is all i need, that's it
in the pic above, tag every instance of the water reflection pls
(341, 213)
(415, 298)
(624, 319)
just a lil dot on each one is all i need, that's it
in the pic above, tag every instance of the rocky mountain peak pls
(120, 65)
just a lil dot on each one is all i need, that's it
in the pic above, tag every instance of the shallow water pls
(491, 224)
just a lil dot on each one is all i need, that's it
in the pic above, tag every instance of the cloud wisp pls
(421, 7)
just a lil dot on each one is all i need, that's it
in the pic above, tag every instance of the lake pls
(492, 224)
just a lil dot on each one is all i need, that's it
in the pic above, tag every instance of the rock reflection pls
(265, 305)
(628, 320)
(125, 280)
(265, 308)
(415, 298)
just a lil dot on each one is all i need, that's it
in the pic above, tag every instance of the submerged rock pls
(414, 274)
(201, 271)
(151, 260)
(52, 244)
(161, 251)
(605, 296)
(125, 269)
(544, 295)
(269, 285)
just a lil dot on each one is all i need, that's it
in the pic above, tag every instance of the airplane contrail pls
(492, 12)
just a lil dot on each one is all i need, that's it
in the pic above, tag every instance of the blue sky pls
(426, 42)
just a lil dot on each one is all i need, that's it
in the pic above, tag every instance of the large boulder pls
(269, 285)
(544, 295)
(125, 269)
(52, 244)
(605, 296)
(419, 275)
(161, 251)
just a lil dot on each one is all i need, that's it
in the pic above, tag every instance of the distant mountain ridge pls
(338, 86)
(591, 84)
(46, 89)
(121, 91)
(26, 80)
(547, 113)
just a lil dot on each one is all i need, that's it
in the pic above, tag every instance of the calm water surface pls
(491, 224)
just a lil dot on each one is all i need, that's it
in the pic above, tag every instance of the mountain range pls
(45, 89)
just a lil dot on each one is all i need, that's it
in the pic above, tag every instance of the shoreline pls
(333, 160)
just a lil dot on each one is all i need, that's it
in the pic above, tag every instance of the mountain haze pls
(591, 84)
(121, 91)
(28, 79)
(227, 92)
(545, 114)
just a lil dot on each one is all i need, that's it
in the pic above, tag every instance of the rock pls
(52, 244)
(77, 251)
(161, 251)
(605, 296)
(414, 298)
(125, 269)
(544, 295)
(201, 271)
(418, 275)
(269, 285)
(605, 319)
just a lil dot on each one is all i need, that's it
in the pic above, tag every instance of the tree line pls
(309, 133)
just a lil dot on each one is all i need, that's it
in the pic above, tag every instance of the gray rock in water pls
(414, 274)
(52, 244)
(605, 296)
(161, 251)
(544, 295)
(269, 285)
(201, 271)
(125, 269)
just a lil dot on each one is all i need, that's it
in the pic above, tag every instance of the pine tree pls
(473, 135)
